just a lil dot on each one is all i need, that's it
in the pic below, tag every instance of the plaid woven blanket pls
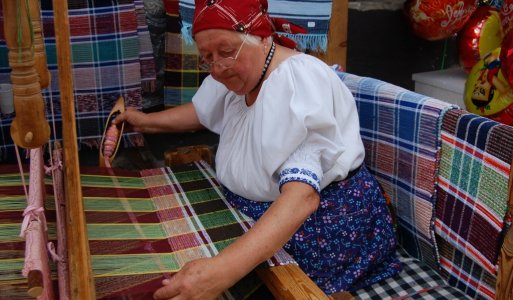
(182, 74)
(142, 227)
(402, 151)
(472, 199)
(111, 56)
(313, 15)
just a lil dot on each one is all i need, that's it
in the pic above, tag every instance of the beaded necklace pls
(266, 64)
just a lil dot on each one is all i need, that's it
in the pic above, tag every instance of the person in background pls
(290, 156)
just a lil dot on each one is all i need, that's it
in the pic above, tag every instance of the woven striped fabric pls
(182, 76)
(313, 15)
(111, 56)
(400, 131)
(142, 227)
(472, 199)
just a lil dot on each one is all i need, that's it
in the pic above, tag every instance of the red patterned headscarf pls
(245, 16)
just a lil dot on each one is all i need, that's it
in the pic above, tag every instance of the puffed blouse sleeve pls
(309, 120)
(209, 103)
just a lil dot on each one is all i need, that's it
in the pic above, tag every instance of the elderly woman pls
(290, 156)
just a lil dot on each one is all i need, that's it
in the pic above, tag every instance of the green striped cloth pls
(142, 227)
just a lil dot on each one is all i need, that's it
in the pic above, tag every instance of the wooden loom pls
(30, 130)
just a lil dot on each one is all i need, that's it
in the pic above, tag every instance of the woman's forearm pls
(272, 230)
(178, 119)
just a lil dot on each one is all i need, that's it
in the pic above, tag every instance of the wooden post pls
(29, 129)
(290, 282)
(337, 35)
(81, 277)
(504, 284)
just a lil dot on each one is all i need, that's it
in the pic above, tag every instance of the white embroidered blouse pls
(303, 127)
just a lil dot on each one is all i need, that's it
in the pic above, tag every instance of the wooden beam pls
(79, 260)
(337, 35)
(290, 282)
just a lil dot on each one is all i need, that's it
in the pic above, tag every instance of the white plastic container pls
(447, 85)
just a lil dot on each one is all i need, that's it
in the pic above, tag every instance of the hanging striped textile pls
(397, 131)
(313, 15)
(472, 200)
(142, 227)
(111, 56)
(182, 76)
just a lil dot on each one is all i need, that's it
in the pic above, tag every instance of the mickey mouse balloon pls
(487, 92)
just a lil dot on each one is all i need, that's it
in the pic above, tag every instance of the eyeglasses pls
(223, 63)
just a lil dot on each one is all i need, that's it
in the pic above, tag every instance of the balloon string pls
(444, 55)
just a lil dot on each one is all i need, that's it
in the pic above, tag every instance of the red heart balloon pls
(481, 34)
(507, 15)
(438, 19)
(506, 57)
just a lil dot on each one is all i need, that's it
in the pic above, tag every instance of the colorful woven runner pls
(179, 215)
(402, 149)
(111, 56)
(472, 200)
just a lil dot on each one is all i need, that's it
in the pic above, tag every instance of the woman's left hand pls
(203, 278)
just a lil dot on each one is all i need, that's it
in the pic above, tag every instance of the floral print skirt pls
(349, 242)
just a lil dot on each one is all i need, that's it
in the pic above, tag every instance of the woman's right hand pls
(135, 120)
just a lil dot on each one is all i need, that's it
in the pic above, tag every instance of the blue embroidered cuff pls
(301, 175)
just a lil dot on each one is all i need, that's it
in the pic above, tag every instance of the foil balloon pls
(481, 34)
(487, 92)
(506, 13)
(438, 19)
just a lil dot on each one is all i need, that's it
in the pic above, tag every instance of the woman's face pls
(215, 45)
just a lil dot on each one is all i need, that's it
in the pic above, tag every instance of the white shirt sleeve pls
(316, 110)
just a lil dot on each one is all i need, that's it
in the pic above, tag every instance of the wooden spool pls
(119, 107)
(29, 128)
(40, 63)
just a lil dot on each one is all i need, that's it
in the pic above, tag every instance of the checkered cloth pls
(111, 56)
(472, 199)
(416, 281)
(399, 131)
(182, 76)
(312, 15)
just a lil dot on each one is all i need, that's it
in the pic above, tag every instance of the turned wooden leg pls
(29, 128)
(505, 274)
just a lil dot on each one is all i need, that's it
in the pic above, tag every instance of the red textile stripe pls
(114, 192)
(492, 218)
(114, 217)
(472, 151)
(112, 247)
(171, 7)
(464, 245)
(451, 268)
